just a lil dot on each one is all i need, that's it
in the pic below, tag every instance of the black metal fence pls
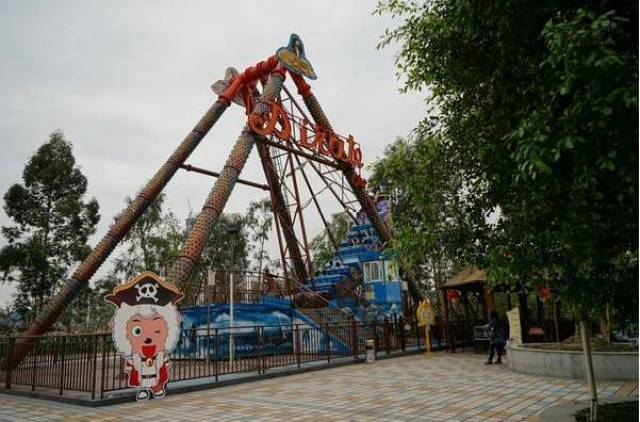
(89, 364)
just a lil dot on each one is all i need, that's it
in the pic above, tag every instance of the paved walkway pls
(438, 387)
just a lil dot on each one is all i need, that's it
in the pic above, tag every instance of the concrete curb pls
(622, 366)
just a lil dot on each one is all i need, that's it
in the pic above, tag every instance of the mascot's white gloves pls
(137, 362)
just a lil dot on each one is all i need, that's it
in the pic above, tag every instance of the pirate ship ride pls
(303, 158)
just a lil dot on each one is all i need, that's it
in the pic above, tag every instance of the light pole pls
(232, 230)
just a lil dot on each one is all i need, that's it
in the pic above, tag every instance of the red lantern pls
(453, 296)
(544, 294)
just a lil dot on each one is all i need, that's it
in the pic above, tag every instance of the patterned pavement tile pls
(435, 387)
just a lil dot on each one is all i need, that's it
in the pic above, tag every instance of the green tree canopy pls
(227, 247)
(535, 106)
(259, 223)
(435, 225)
(322, 246)
(52, 222)
(152, 244)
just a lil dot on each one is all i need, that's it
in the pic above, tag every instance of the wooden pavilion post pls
(446, 323)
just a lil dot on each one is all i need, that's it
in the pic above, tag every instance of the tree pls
(436, 227)
(259, 223)
(322, 246)
(152, 244)
(52, 223)
(539, 103)
(226, 247)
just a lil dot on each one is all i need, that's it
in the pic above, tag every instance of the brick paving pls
(436, 387)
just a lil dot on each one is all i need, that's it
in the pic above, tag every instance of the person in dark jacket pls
(496, 339)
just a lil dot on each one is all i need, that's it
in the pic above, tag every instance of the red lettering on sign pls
(323, 142)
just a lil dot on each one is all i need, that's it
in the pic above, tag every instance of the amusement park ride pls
(293, 148)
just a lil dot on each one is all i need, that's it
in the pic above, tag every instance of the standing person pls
(496, 339)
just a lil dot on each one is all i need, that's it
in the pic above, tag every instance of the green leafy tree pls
(322, 247)
(152, 244)
(538, 102)
(538, 105)
(259, 223)
(436, 226)
(52, 222)
(227, 247)
(101, 311)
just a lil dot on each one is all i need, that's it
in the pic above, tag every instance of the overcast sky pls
(126, 81)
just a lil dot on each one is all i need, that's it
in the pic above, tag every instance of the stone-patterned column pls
(217, 199)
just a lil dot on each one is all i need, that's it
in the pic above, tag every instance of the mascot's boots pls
(159, 393)
(144, 394)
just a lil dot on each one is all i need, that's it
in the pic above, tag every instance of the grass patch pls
(616, 412)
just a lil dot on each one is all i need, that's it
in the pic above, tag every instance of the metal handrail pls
(283, 282)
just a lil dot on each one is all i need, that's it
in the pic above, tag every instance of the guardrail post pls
(354, 339)
(328, 342)
(208, 342)
(34, 365)
(374, 329)
(403, 340)
(104, 365)
(259, 341)
(62, 363)
(215, 355)
(387, 336)
(10, 351)
(95, 366)
(298, 344)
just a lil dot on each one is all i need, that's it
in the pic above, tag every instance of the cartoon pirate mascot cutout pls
(146, 328)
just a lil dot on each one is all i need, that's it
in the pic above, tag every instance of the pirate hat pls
(145, 289)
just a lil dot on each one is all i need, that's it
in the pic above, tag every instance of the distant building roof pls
(467, 277)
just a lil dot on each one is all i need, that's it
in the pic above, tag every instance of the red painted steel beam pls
(311, 157)
(189, 167)
(300, 213)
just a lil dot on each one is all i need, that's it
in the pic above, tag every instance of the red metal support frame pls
(315, 201)
(283, 256)
(206, 172)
